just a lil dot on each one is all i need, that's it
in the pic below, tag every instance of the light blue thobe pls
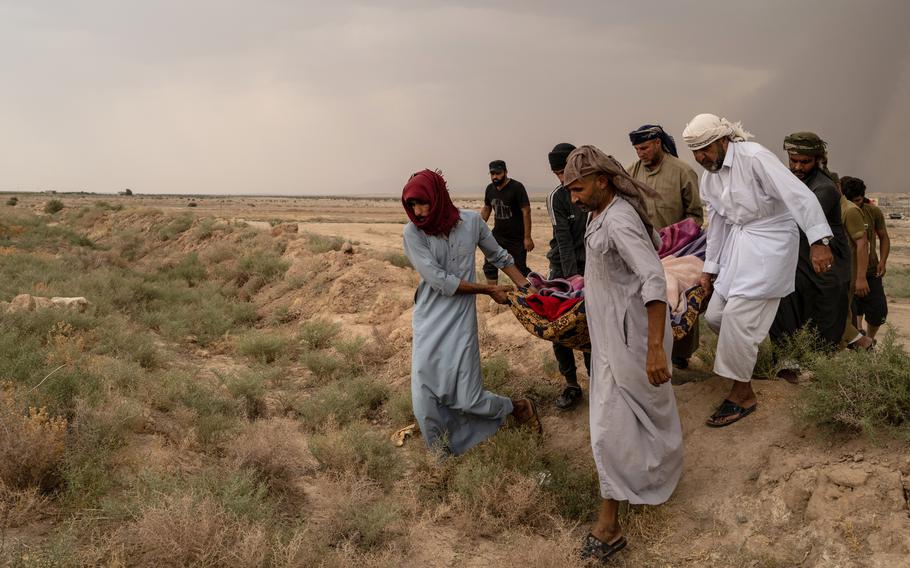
(452, 408)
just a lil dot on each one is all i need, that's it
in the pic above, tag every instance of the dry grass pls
(190, 531)
(276, 451)
(31, 447)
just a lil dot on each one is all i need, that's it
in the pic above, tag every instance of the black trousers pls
(519, 254)
(874, 306)
(821, 301)
(565, 357)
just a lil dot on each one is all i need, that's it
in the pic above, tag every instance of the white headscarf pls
(706, 128)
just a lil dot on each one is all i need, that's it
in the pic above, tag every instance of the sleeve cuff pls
(654, 292)
(711, 267)
(818, 232)
(450, 285)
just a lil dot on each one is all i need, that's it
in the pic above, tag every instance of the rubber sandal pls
(592, 547)
(729, 408)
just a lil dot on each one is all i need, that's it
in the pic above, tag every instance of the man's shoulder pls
(634, 167)
(675, 163)
(751, 149)
(467, 214)
(517, 185)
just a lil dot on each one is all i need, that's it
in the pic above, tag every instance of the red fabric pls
(678, 235)
(550, 307)
(430, 187)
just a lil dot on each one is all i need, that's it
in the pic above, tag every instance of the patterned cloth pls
(571, 329)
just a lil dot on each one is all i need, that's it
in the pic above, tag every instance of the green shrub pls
(189, 269)
(12, 201)
(175, 227)
(249, 389)
(397, 259)
(343, 401)
(318, 333)
(858, 391)
(324, 366)
(400, 408)
(358, 449)
(53, 206)
(369, 525)
(318, 244)
(263, 347)
(495, 371)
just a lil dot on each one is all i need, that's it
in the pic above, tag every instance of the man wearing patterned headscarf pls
(754, 206)
(635, 431)
(451, 406)
(677, 198)
(820, 300)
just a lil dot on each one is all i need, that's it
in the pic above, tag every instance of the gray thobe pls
(635, 430)
(452, 408)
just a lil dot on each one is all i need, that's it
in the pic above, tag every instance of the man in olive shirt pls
(677, 198)
(675, 182)
(874, 305)
(855, 228)
(507, 199)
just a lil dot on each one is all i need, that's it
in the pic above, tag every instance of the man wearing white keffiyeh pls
(754, 204)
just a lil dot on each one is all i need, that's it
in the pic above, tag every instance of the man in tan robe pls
(676, 184)
(635, 431)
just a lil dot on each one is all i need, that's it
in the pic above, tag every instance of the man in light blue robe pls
(452, 408)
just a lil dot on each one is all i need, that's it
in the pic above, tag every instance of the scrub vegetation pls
(187, 417)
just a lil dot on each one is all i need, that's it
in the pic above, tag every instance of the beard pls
(714, 165)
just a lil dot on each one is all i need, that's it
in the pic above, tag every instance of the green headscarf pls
(809, 144)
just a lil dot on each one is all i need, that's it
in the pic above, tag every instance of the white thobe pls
(754, 205)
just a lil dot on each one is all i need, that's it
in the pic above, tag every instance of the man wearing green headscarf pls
(820, 300)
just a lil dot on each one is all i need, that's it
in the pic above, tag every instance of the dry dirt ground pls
(768, 491)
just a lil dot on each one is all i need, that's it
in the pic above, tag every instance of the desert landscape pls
(226, 394)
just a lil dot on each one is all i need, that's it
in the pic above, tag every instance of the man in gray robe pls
(635, 430)
(451, 406)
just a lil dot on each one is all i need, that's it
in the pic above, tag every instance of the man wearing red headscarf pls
(452, 408)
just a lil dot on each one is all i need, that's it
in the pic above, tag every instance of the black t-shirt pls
(506, 203)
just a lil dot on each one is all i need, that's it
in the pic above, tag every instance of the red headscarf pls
(428, 186)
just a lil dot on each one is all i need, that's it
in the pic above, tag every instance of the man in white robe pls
(635, 431)
(754, 204)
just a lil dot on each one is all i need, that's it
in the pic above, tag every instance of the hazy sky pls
(351, 97)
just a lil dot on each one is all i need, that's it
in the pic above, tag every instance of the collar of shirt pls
(656, 170)
(731, 152)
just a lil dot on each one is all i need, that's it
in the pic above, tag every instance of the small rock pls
(22, 303)
(347, 248)
(846, 476)
(858, 457)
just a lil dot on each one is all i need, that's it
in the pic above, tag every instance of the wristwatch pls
(824, 241)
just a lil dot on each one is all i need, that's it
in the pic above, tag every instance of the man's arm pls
(716, 235)
(656, 362)
(485, 213)
(884, 244)
(862, 265)
(800, 201)
(562, 232)
(690, 198)
(526, 216)
(635, 248)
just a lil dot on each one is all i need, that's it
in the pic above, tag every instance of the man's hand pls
(656, 366)
(862, 286)
(822, 259)
(500, 294)
(880, 271)
(529, 244)
(707, 281)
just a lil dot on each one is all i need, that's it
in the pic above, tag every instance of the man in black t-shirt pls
(508, 200)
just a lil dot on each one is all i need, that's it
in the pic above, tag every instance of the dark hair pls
(852, 187)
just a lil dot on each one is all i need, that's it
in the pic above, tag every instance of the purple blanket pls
(677, 236)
